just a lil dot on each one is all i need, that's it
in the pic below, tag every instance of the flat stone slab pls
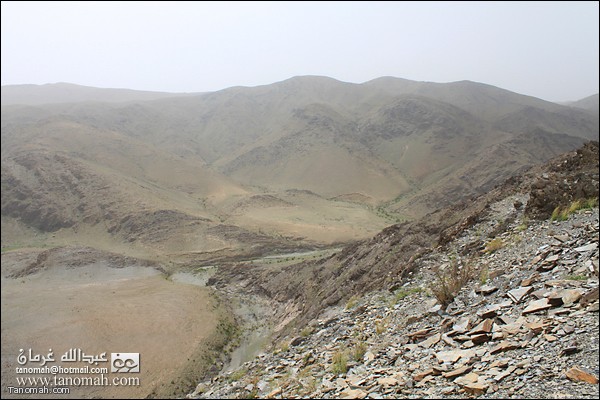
(486, 289)
(587, 247)
(516, 295)
(537, 305)
(504, 346)
(578, 374)
(484, 326)
(457, 372)
(453, 355)
(489, 311)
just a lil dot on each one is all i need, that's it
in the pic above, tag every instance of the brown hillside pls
(410, 147)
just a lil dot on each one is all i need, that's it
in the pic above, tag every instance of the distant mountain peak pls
(589, 103)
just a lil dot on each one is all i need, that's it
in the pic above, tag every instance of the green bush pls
(358, 351)
(403, 293)
(576, 277)
(339, 363)
(562, 213)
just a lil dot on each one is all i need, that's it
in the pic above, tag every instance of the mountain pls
(435, 258)
(303, 163)
(69, 93)
(589, 103)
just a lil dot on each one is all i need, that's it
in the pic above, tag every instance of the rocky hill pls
(494, 297)
(303, 163)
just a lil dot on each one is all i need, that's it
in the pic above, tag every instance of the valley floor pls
(103, 305)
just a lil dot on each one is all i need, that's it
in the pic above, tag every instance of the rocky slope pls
(385, 260)
(490, 298)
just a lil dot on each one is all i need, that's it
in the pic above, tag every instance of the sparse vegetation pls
(385, 214)
(381, 325)
(523, 225)
(448, 282)
(358, 351)
(339, 363)
(590, 203)
(306, 331)
(253, 394)
(515, 239)
(282, 348)
(306, 357)
(484, 275)
(558, 214)
(562, 213)
(353, 302)
(403, 293)
(237, 375)
(285, 346)
(576, 277)
(479, 231)
(229, 329)
(493, 245)
(310, 384)
(306, 381)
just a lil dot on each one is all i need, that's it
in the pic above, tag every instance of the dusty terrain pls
(300, 164)
(101, 202)
(80, 298)
(496, 298)
(505, 282)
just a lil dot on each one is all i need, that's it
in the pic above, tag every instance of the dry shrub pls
(449, 281)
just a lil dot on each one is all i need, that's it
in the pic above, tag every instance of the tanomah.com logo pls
(124, 362)
(68, 374)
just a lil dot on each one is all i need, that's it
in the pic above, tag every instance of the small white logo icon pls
(124, 362)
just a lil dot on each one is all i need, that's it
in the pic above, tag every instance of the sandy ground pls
(99, 309)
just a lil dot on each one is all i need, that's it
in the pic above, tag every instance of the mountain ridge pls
(405, 150)
(63, 92)
(37, 90)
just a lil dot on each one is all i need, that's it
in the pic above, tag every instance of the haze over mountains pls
(588, 103)
(52, 93)
(307, 162)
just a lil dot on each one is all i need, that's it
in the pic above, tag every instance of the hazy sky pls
(548, 50)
